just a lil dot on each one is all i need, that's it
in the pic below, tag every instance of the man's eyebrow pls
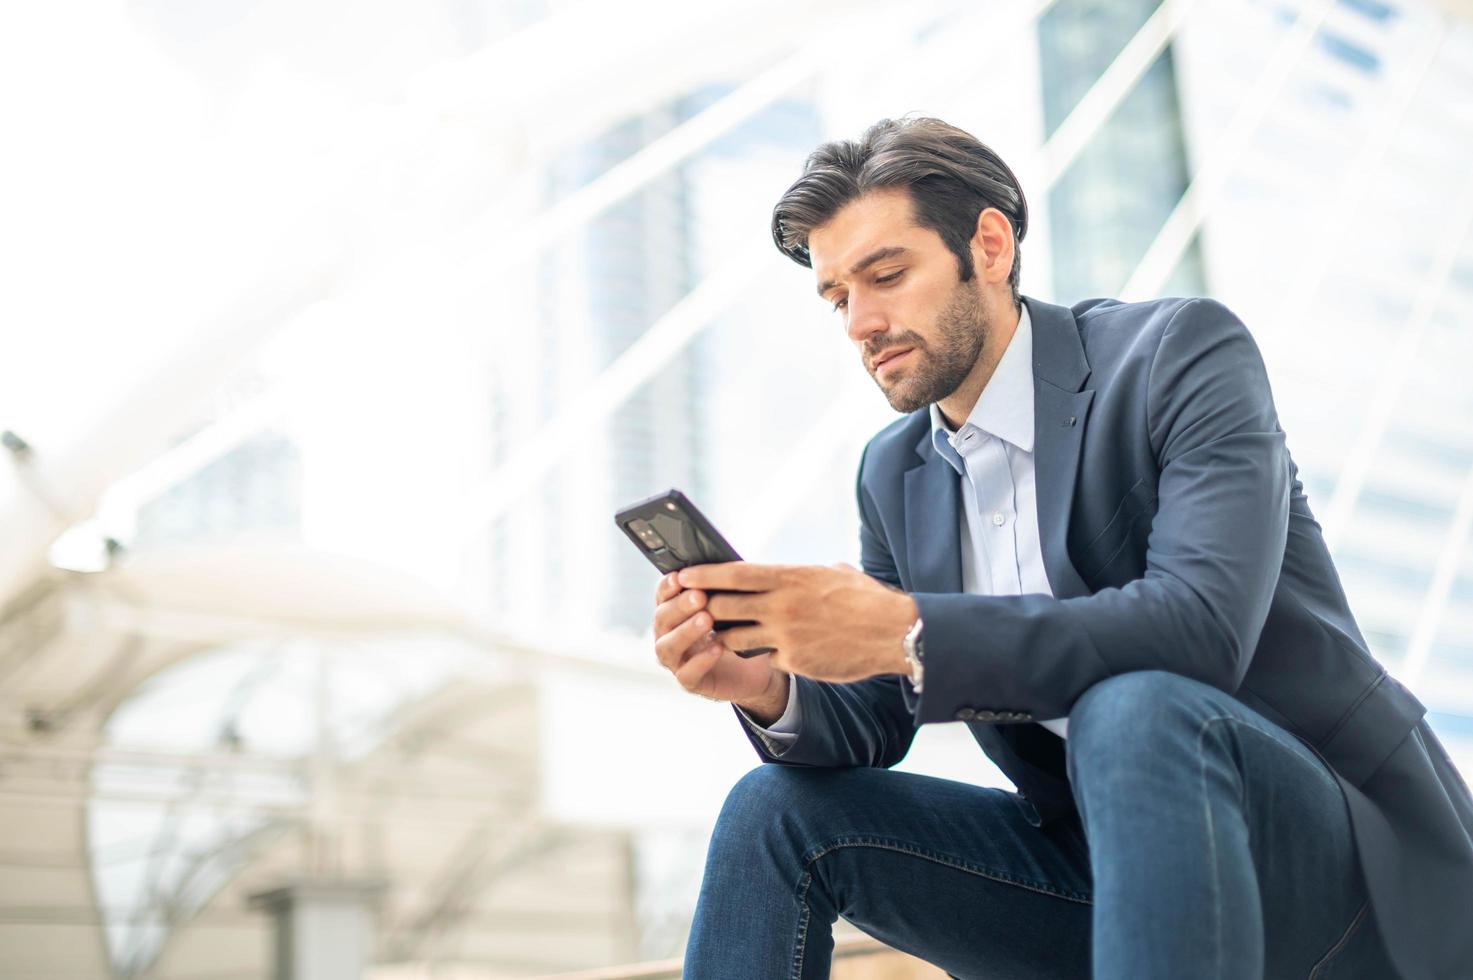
(878, 255)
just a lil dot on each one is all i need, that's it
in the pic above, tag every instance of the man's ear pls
(992, 246)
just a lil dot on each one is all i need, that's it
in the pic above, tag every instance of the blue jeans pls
(1209, 843)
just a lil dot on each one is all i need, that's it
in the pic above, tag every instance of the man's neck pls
(956, 407)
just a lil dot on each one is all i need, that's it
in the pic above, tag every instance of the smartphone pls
(673, 534)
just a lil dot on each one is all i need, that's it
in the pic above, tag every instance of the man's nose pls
(866, 318)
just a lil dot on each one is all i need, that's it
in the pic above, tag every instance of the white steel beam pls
(1402, 350)
(1355, 186)
(1201, 195)
(630, 175)
(119, 505)
(1434, 603)
(1109, 90)
(531, 458)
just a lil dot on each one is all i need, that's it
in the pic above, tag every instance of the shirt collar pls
(1005, 408)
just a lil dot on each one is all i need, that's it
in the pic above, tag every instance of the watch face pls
(912, 642)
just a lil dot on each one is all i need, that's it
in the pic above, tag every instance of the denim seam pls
(1207, 811)
(890, 844)
(1216, 902)
(803, 918)
(1324, 770)
(1335, 950)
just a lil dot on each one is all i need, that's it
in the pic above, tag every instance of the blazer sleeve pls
(1212, 558)
(864, 723)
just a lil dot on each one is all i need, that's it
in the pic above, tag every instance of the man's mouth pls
(893, 358)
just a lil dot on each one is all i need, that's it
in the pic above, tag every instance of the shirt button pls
(997, 518)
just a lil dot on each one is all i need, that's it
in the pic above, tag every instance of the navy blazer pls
(1176, 536)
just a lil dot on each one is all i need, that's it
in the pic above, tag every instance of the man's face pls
(917, 327)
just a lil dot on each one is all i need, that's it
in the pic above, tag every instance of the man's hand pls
(830, 623)
(704, 664)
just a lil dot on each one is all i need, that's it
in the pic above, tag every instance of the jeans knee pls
(761, 801)
(1129, 716)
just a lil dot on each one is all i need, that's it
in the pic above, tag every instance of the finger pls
(739, 605)
(746, 637)
(672, 646)
(744, 576)
(698, 665)
(672, 612)
(705, 644)
(667, 588)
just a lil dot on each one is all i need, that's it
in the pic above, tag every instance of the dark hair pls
(952, 177)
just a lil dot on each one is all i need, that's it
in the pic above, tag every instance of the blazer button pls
(965, 714)
(987, 716)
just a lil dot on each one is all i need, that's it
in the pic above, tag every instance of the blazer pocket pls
(1138, 503)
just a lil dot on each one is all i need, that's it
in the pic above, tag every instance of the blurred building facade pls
(1105, 210)
(316, 656)
(1366, 334)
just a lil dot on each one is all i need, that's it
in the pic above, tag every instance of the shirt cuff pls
(783, 732)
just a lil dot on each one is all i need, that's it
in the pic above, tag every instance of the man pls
(1087, 541)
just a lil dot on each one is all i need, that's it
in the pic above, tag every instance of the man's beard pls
(962, 329)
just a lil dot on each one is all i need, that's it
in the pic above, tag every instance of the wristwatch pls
(913, 654)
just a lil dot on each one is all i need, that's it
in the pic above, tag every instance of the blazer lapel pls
(1060, 412)
(933, 547)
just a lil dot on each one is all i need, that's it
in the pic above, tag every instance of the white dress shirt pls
(992, 454)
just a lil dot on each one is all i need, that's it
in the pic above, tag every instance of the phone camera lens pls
(647, 534)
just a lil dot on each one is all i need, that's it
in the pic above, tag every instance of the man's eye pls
(841, 303)
(890, 278)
